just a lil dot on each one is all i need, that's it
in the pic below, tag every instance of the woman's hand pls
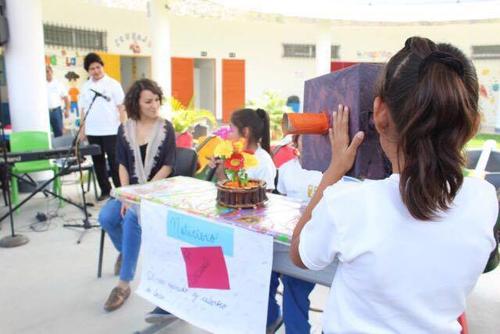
(343, 152)
(124, 209)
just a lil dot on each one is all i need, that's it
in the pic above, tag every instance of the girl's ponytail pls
(258, 123)
(265, 141)
(432, 97)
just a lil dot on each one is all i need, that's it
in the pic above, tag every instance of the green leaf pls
(275, 105)
(184, 118)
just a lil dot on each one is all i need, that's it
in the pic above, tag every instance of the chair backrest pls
(493, 164)
(185, 161)
(25, 141)
(494, 179)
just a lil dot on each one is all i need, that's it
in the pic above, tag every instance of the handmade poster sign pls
(211, 274)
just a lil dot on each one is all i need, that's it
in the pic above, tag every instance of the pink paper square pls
(206, 267)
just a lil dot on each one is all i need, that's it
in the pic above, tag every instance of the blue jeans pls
(273, 308)
(125, 233)
(74, 108)
(56, 121)
(295, 303)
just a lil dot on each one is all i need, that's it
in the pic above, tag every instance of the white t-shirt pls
(104, 118)
(296, 182)
(55, 92)
(265, 170)
(397, 274)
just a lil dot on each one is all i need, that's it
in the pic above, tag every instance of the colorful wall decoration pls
(136, 42)
(488, 72)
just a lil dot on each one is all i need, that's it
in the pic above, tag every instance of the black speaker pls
(4, 27)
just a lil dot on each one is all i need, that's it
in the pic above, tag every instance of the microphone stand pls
(12, 240)
(76, 144)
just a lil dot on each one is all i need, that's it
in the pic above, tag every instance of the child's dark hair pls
(257, 121)
(431, 91)
(134, 93)
(90, 59)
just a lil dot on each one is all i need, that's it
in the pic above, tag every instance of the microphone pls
(107, 98)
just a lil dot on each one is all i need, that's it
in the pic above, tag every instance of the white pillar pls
(160, 47)
(218, 89)
(25, 66)
(323, 50)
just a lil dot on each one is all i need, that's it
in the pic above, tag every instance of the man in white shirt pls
(102, 120)
(56, 94)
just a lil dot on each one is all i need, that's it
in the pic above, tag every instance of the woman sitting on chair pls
(145, 151)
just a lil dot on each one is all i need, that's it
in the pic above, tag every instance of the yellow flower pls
(250, 160)
(224, 149)
(239, 145)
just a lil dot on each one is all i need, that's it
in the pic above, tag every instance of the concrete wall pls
(260, 44)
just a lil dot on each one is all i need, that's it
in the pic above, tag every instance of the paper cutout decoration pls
(206, 268)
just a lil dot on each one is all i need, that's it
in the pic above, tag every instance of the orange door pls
(233, 87)
(183, 79)
(111, 65)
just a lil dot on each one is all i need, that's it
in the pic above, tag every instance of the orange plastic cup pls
(305, 123)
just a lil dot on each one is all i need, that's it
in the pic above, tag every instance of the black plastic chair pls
(493, 164)
(492, 175)
(186, 160)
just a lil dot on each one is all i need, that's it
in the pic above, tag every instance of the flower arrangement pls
(223, 132)
(236, 161)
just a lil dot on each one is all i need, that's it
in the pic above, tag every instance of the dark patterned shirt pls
(165, 156)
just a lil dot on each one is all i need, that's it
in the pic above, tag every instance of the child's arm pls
(343, 155)
(329, 177)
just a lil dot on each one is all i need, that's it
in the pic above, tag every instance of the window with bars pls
(299, 50)
(486, 52)
(306, 51)
(75, 37)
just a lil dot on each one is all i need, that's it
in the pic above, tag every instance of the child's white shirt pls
(265, 170)
(296, 182)
(397, 274)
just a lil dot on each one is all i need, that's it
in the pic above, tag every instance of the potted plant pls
(185, 118)
(276, 106)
